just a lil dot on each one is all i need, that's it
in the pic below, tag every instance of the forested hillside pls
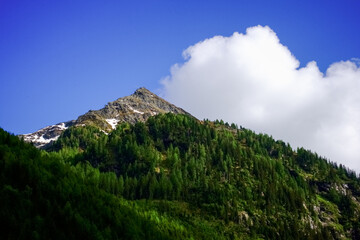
(173, 177)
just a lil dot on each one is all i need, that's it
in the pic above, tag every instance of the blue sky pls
(290, 69)
(58, 59)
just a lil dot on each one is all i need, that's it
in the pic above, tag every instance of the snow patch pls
(61, 126)
(138, 111)
(113, 122)
(45, 141)
(105, 132)
(135, 111)
(39, 140)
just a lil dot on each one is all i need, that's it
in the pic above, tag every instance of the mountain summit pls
(172, 177)
(139, 106)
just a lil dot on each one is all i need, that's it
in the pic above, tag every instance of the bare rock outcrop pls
(137, 107)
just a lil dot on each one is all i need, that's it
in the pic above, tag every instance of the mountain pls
(139, 106)
(170, 176)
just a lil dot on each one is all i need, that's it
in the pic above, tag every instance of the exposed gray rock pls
(137, 107)
(46, 135)
(134, 108)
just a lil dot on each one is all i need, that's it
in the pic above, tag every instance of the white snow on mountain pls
(113, 122)
(135, 111)
(45, 135)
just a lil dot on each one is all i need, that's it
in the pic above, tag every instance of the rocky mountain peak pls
(142, 92)
(137, 107)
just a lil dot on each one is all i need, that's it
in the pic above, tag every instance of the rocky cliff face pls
(47, 134)
(139, 106)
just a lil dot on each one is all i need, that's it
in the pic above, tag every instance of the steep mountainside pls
(139, 106)
(136, 170)
(173, 177)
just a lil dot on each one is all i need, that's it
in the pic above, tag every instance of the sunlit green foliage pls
(173, 177)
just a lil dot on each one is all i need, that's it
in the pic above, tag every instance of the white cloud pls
(255, 81)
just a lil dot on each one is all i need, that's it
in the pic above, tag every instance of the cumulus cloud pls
(253, 80)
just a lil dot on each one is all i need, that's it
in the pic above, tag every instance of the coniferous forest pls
(173, 177)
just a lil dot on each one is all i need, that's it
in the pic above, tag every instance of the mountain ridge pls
(174, 175)
(208, 180)
(136, 107)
